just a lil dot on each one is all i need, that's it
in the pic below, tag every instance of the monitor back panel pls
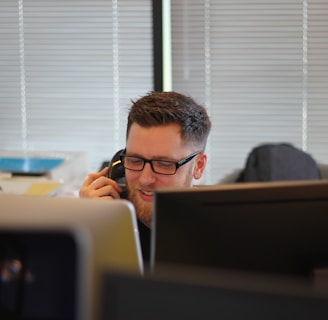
(262, 227)
(163, 298)
(38, 275)
(53, 252)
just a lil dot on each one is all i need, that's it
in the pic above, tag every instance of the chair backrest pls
(278, 162)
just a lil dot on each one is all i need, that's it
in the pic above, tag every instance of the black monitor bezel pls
(178, 212)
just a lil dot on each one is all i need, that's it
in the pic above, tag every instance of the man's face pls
(161, 143)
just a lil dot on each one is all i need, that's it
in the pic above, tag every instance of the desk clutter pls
(49, 173)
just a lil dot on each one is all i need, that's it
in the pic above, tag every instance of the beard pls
(143, 209)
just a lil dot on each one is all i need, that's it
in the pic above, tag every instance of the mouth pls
(146, 195)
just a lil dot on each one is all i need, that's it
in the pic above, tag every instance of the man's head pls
(167, 127)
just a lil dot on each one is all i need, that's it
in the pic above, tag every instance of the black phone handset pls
(116, 171)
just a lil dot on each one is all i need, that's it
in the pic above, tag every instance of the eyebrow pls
(161, 158)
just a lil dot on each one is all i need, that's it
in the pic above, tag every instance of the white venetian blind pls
(260, 67)
(68, 71)
(317, 79)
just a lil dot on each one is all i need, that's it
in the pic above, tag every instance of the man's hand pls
(97, 185)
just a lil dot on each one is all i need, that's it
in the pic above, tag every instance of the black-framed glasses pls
(158, 166)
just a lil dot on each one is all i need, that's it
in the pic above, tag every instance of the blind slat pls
(69, 71)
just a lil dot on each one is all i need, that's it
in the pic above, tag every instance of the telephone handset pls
(116, 171)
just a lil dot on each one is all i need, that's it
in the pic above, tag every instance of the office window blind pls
(69, 69)
(261, 69)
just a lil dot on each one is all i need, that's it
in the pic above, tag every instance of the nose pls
(147, 176)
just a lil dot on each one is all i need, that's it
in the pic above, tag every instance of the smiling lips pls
(146, 195)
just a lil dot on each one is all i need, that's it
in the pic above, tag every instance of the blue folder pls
(29, 166)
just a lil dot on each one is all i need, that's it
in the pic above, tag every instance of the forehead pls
(154, 141)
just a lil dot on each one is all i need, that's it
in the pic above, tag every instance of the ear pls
(200, 166)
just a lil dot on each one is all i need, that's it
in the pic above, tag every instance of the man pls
(165, 142)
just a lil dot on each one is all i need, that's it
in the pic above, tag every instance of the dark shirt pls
(144, 235)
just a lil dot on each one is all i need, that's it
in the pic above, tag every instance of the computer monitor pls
(183, 293)
(54, 251)
(269, 227)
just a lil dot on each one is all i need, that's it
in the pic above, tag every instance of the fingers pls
(97, 185)
(95, 175)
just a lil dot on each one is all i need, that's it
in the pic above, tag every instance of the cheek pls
(181, 179)
(131, 176)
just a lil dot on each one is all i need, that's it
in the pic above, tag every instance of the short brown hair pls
(163, 108)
